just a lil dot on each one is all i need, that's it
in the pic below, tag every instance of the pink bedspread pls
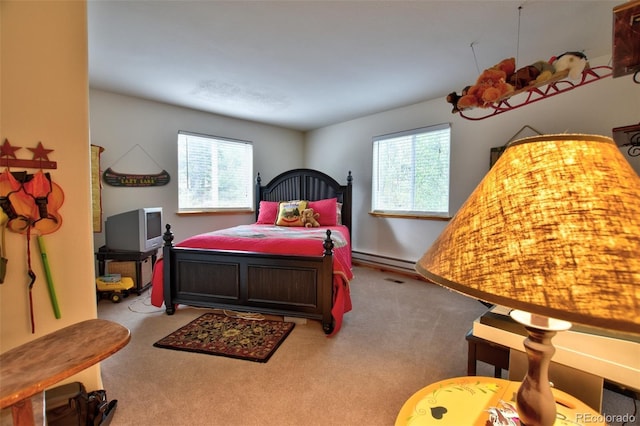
(278, 240)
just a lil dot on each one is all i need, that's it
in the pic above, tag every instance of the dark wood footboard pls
(297, 286)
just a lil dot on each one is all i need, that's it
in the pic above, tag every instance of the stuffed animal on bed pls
(310, 218)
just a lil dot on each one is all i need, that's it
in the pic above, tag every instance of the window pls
(214, 173)
(411, 172)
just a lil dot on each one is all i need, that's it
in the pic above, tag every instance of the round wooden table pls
(34, 366)
(472, 400)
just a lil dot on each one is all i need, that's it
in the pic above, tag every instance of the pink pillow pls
(327, 209)
(268, 212)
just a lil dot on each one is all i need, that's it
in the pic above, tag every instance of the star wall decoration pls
(40, 158)
(40, 153)
(7, 150)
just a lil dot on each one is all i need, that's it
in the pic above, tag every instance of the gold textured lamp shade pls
(553, 229)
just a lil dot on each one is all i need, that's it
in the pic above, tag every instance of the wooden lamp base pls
(535, 402)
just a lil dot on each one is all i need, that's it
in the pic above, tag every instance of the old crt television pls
(136, 230)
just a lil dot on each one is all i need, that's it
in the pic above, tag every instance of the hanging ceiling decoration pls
(558, 83)
(497, 88)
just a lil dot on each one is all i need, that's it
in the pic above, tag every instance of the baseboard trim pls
(385, 263)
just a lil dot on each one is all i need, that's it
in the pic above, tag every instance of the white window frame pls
(396, 189)
(191, 189)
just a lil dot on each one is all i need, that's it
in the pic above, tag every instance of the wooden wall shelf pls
(628, 136)
(30, 164)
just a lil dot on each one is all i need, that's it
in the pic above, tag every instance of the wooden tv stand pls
(140, 268)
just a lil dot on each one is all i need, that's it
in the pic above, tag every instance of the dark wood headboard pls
(306, 184)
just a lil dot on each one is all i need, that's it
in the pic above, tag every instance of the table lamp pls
(553, 231)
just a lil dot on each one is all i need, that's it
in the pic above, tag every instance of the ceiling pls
(306, 64)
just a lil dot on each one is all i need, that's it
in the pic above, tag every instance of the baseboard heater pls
(384, 262)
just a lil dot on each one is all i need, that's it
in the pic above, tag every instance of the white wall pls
(120, 122)
(45, 98)
(595, 108)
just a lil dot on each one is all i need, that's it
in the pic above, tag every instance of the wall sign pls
(113, 178)
(133, 180)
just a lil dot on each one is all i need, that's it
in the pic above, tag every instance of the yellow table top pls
(472, 400)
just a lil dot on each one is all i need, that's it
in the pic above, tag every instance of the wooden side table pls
(467, 401)
(486, 351)
(34, 366)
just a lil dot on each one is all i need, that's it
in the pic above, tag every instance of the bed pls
(290, 278)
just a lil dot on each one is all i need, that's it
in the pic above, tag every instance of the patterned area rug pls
(217, 334)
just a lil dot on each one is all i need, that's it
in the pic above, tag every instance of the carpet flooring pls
(402, 335)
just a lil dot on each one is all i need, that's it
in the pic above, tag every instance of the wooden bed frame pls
(298, 286)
